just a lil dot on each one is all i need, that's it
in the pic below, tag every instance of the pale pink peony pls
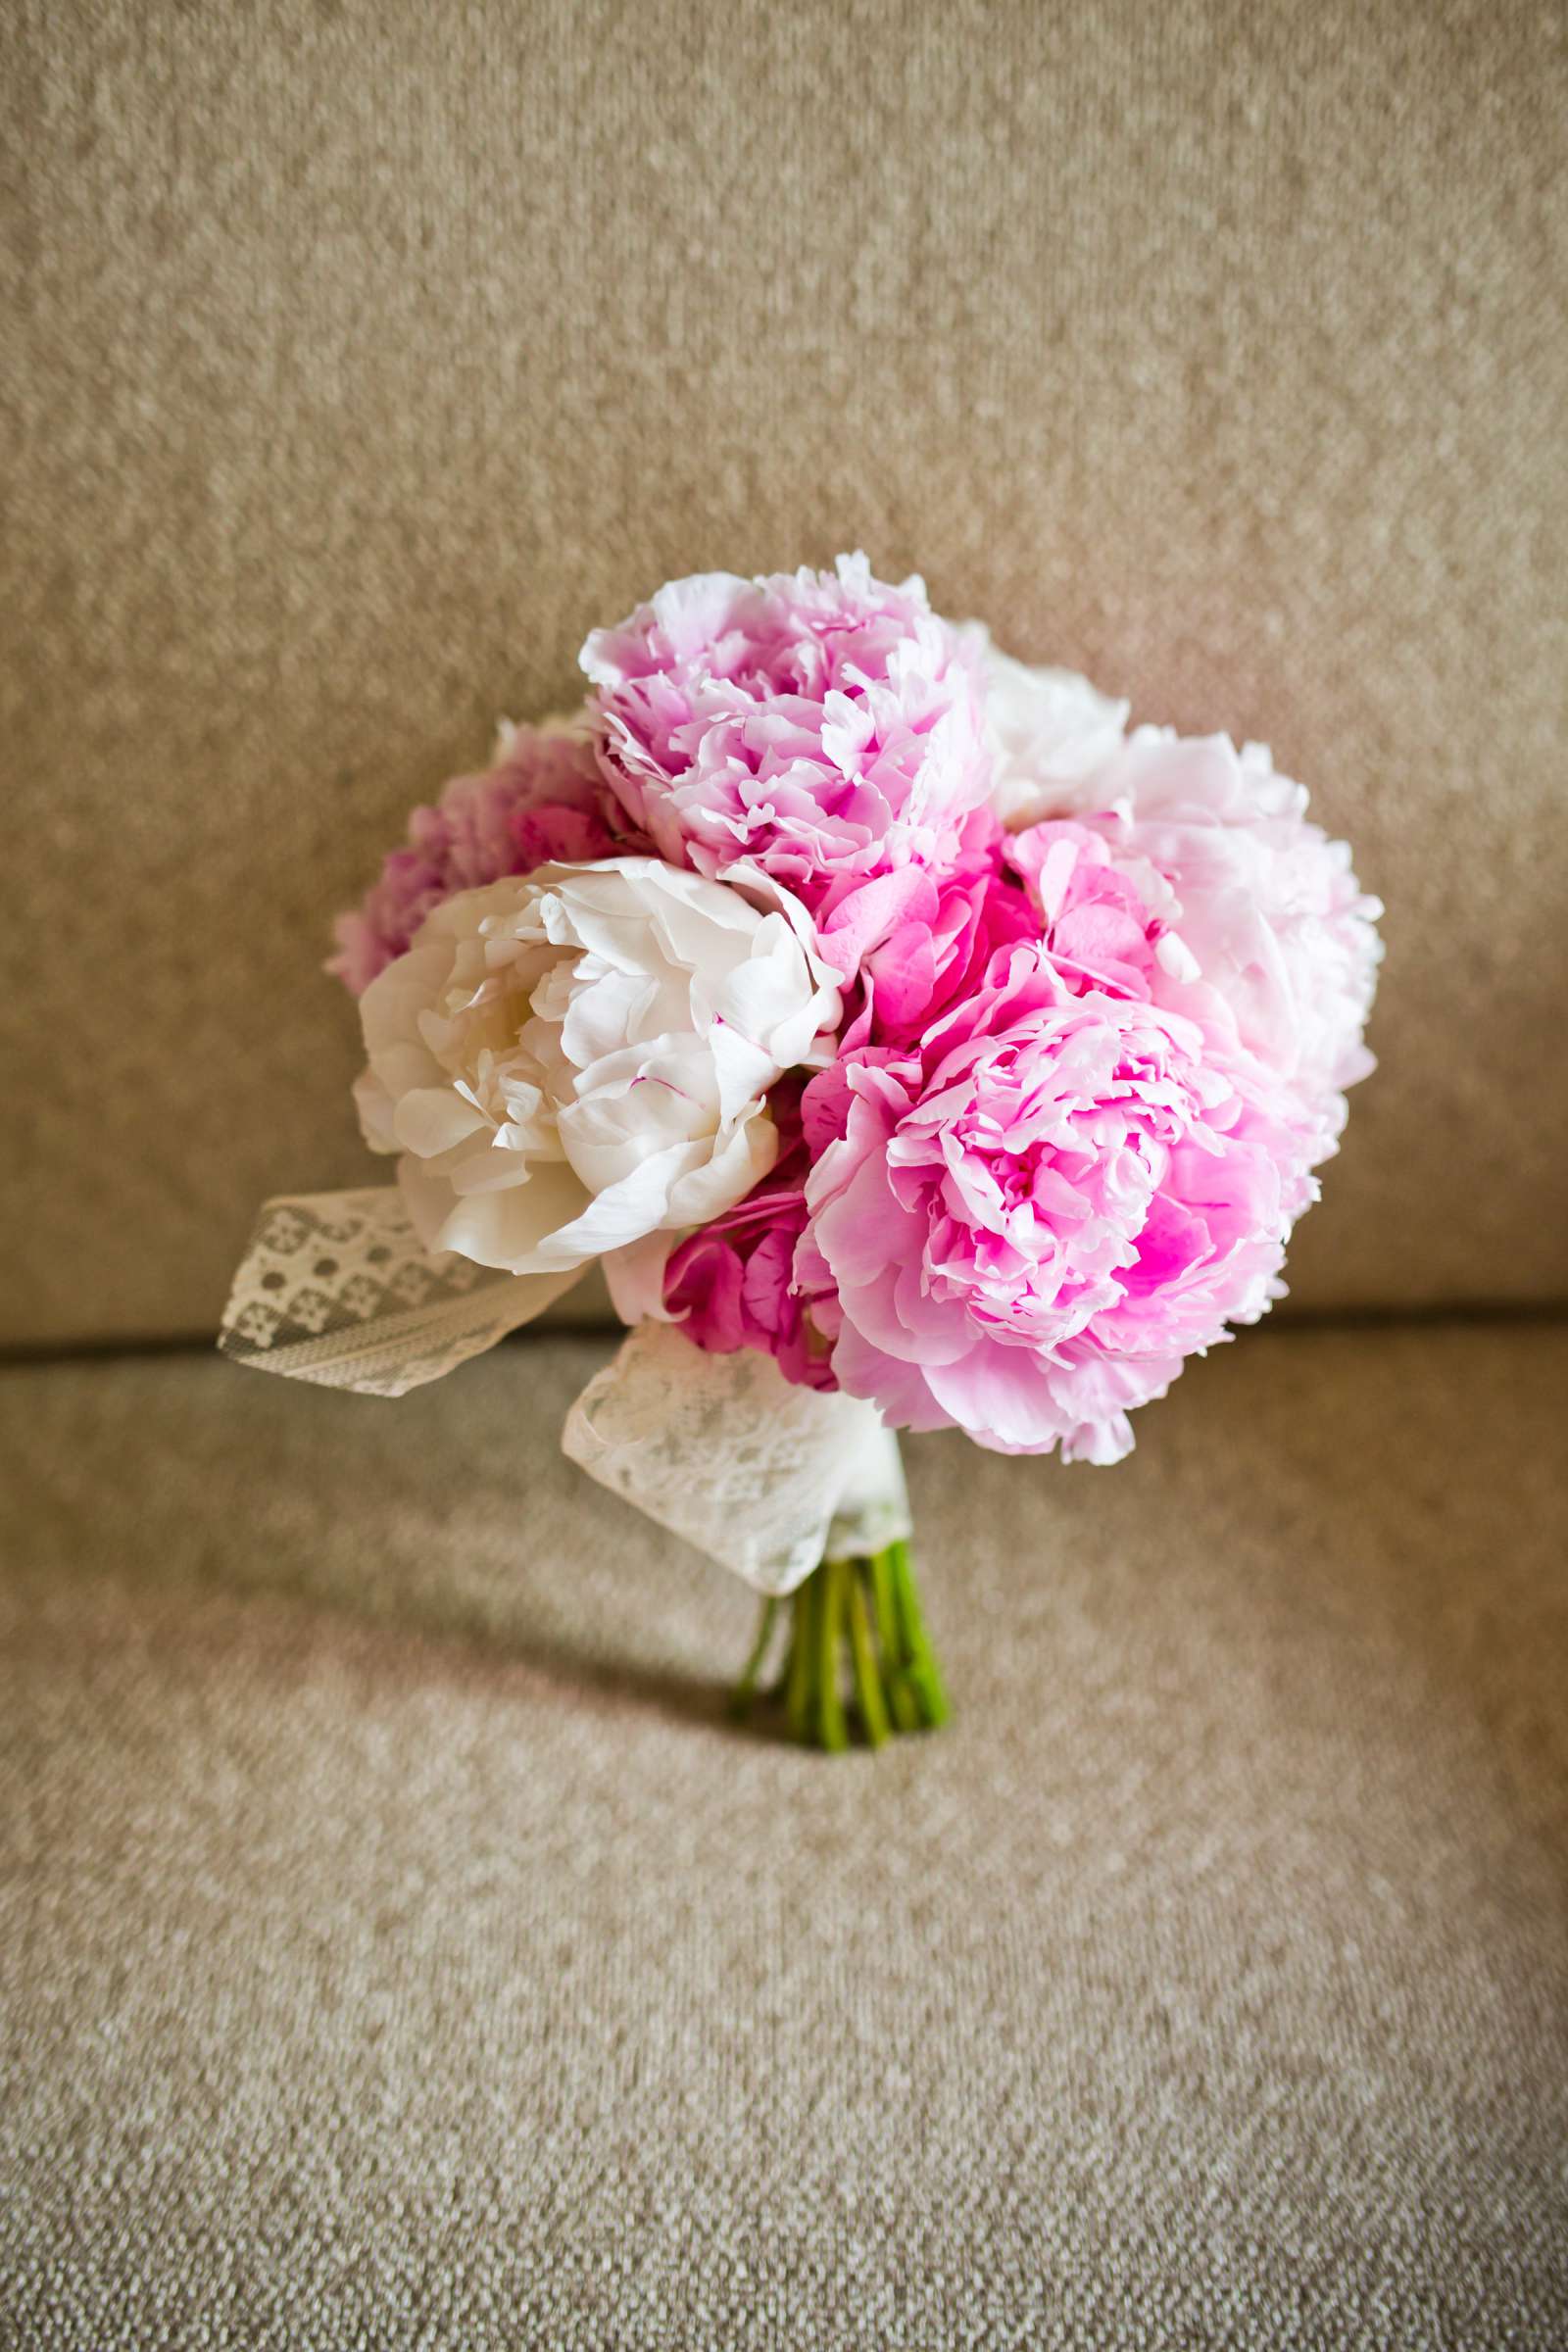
(1025, 1226)
(822, 726)
(542, 801)
(1269, 935)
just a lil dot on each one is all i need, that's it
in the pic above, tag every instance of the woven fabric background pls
(359, 358)
(398, 1947)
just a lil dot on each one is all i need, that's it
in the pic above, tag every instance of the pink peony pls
(820, 725)
(731, 1284)
(542, 802)
(917, 939)
(1024, 1225)
(1089, 913)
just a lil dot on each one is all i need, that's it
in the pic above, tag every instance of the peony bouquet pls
(914, 1045)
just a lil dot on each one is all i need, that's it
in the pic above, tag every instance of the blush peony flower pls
(543, 800)
(1268, 934)
(821, 726)
(570, 1060)
(1024, 1226)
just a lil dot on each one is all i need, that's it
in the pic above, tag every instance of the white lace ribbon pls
(765, 1478)
(338, 1288)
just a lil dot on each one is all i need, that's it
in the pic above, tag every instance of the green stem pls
(924, 1675)
(859, 1664)
(799, 1690)
(745, 1695)
(832, 1728)
(902, 1701)
(867, 1682)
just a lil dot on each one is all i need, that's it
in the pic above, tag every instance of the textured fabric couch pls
(397, 1946)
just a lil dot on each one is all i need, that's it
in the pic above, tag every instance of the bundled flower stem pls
(858, 1663)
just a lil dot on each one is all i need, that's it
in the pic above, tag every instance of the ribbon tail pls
(762, 1476)
(337, 1287)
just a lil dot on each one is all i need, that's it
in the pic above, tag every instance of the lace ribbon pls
(338, 1288)
(764, 1478)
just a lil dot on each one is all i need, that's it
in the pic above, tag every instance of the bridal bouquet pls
(913, 1045)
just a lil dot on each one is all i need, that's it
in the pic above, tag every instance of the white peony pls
(572, 1060)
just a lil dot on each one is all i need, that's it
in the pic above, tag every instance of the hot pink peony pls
(822, 725)
(731, 1284)
(1024, 1226)
(918, 937)
(543, 801)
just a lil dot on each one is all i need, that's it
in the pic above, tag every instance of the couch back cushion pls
(359, 360)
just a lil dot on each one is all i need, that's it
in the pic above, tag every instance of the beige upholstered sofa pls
(396, 1945)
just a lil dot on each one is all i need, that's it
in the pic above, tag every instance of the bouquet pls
(913, 1044)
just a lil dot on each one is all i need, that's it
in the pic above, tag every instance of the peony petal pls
(430, 1119)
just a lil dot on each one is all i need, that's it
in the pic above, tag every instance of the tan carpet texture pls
(359, 358)
(396, 1947)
